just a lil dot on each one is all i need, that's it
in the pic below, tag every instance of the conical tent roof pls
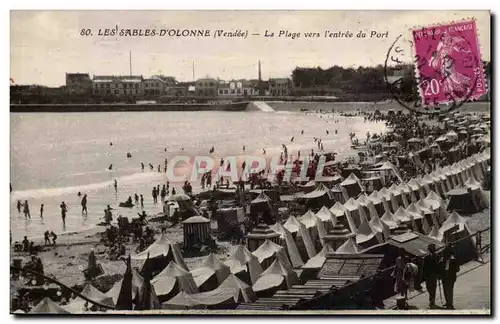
(389, 219)
(278, 268)
(395, 190)
(246, 291)
(320, 191)
(405, 187)
(137, 283)
(472, 183)
(422, 205)
(269, 249)
(338, 209)
(453, 219)
(161, 247)
(362, 200)
(432, 196)
(47, 306)
(165, 281)
(326, 215)
(291, 246)
(212, 264)
(351, 205)
(380, 227)
(319, 260)
(92, 293)
(435, 233)
(308, 219)
(414, 184)
(349, 247)
(350, 180)
(295, 226)
(384, 192)
(401, 215)
(364, 233)
(414, 211)
(241, 259)
(375, 197)
(262, 197)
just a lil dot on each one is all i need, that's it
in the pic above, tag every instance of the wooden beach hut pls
(196, 231)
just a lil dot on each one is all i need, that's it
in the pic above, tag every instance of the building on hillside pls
(78, 83)
(280, 87)
(206, 87)
(113, 85)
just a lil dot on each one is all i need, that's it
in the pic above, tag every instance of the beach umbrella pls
(414, 140)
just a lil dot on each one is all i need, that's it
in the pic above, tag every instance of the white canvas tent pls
(78, 304)
(243, 261)
(171, 278)
(302, 235)
(291, 246)
(343, 215)
(162, 248)
(270, 251)
(47, 306)
(349, 247)
(270, 278)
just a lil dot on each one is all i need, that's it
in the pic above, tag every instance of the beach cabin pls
(196, 231)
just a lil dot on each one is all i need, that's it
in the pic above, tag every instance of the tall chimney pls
(260, 73)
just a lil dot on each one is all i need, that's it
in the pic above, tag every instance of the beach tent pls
(211, 273)
(418, 217)
(172, 280)
(319, 197)
(78, 304)
(319, 260)
(262, 205)
(291, 246)
(244, 264)
(368, 205)
(407, 194)
(398, 197)
(402, 216)
(276, 277)
(436, 234)
(381, 230)
(47, 306)
(455, 229)
(417, 189)
(355, 210)
(302, 237)
(477, 192)
(314, 225)
(464, 200)
(376, 198)
(389, 220)
(159, 254)
(372, 183)
(343, 216)
(245, 291)
(365, 235)
(351, 187)
(270, 251)
(389, 201)
(389, 168)
(327, 218)
(349, 247)
(137, 284)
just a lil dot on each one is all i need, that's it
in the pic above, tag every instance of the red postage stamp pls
(448, 63)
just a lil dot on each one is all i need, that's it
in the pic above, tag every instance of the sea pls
(54, 156)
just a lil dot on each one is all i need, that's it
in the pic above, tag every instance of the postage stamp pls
(448, 63)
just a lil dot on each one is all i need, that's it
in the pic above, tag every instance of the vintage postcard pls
(250, 162)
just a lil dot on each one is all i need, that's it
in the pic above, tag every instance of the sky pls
(44, 45)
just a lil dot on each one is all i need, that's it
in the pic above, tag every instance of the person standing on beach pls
(136, 199)
(431, 272)
(84, 204)
(173, 191)
(154, 194)
(41, 211)
(159, 169)
(142, 202)
(18, 206)
(163, 193)
(116, 186)
(450, 269)
(26, 210)
(46, 238)
(142, 166)
(64, 210)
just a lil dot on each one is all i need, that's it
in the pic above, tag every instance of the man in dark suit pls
(450, 268)
(431, 273)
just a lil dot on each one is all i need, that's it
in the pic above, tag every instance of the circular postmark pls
(442, 75)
